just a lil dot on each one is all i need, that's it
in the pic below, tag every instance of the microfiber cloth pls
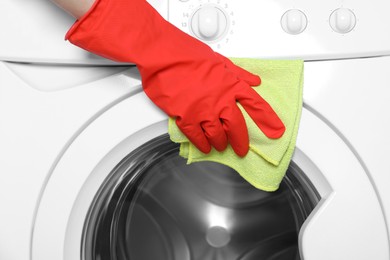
(268, 159)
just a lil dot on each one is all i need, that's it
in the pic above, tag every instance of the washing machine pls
(88, 172)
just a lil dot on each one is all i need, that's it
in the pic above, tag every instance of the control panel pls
(305, 29)
(274, 29)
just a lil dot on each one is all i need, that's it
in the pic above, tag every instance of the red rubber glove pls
(181, 75)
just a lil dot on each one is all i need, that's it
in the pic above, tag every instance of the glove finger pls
(215, 134)
(195, 134)
(236, 130)
(261, 112)
(248, 77)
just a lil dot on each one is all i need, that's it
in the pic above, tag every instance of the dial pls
(209, 23)
(342, 20)
(294, 21)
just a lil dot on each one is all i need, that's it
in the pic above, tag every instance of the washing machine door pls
(154, 206)
(121, 191)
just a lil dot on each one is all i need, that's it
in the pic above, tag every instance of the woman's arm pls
(74, 7)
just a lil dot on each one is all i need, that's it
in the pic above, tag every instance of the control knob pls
(342, 20)
(294, 21)
(209, 23)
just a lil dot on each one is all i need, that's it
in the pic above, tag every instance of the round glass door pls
(155, 206)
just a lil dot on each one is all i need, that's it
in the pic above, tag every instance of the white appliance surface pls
(33, 31)
(51, 116)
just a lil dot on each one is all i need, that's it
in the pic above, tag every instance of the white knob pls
(342, 20)
(294, 21)
(209, 23)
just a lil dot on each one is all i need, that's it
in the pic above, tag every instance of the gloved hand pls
(181, 75)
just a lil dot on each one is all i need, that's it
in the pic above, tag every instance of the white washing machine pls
(87, 170)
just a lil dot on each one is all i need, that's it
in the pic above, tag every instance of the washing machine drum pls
(155, 206)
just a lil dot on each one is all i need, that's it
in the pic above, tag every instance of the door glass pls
(155, 206)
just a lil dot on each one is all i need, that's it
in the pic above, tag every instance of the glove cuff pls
(93, 16)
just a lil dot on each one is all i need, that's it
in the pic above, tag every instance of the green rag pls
(268, 159)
